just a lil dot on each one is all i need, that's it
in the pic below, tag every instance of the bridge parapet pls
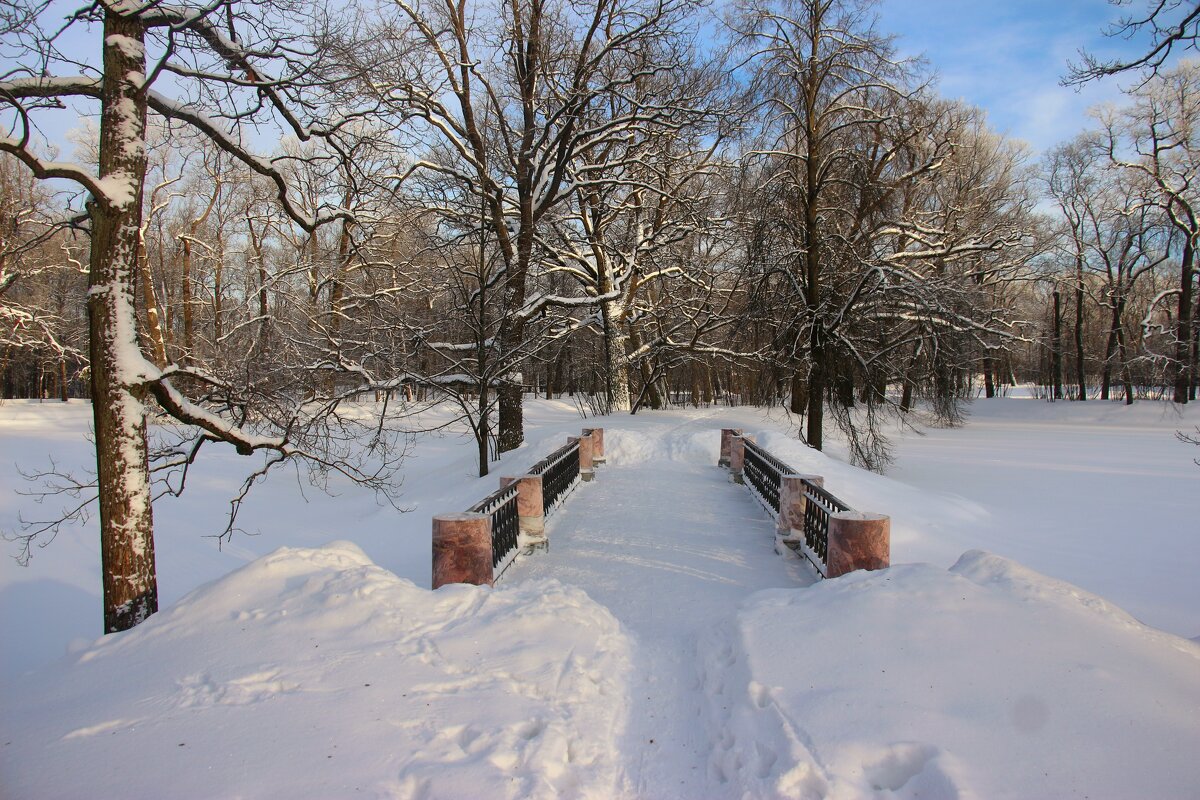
(478, 545)
(810, 520)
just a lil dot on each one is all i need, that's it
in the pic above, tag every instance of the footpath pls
(671, 548)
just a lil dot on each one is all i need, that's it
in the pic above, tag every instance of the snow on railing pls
(477, 546)
(811, 521)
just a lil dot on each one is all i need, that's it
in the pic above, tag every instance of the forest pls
(281, 226)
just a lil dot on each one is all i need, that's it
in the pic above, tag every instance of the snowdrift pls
(315, 673)
(985, 681)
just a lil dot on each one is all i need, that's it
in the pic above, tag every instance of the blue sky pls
(1007, 56)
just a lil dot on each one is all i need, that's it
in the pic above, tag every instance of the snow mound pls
(685, 443)
(315, 673)
(987, 680)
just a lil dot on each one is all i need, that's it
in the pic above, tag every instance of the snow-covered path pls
(671, 548)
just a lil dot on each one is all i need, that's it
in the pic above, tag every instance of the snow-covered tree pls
(244, 63)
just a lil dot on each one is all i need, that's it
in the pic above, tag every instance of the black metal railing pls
(560, 474)
(818, 505)
(764, 473)
(501, 506)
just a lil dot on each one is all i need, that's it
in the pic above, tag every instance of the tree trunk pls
(218, 291)
(1195, 353)
(816, 390)
(1080, 376)
(1183, 326)
(1110, 350)
(989, 381)
(512, 417)
(650, 388)
(154, 327)
(1126, 379)
(1056, 353)
(126, 518)
(615, 357)
(185, 300)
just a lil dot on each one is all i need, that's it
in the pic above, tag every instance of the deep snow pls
(987, 680)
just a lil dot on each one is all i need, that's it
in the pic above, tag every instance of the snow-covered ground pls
(661, 613)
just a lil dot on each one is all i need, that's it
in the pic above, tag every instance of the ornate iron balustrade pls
(764, 473)
(501, 506)
(514, 523)
(560, 474)
(818, 505)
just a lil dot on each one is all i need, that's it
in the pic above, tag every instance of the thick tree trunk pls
(1126, 379)
(615, 357)
(1195, 353)
(989, 381)
(1183, 326)
(126, 518)
(816, 390)
(512, 415)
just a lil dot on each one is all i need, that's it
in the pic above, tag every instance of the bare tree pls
(1157, 140)
(504, 93)
(1171, 25)
(245, 62)
(899, 210)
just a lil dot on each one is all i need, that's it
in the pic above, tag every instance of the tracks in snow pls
(665, 542)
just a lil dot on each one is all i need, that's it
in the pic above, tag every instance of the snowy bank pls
(987, 680)
(315, 673)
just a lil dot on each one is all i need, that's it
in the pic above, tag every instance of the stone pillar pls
(737, 456)
(531, 515)
(727, 435)
(792, 503)
(858, 540)
(586, 464)
(462, 549)
(597, 444)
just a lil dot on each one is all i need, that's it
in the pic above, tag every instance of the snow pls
(987, 680)
(660, 612)
(314, 673)
(667, 564)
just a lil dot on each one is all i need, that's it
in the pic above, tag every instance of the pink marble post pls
(792, 503)
(586, 465)
(858, 540)
(531, 515)
(597, 435)
(727, 435)
(462, 549)
(737, 456)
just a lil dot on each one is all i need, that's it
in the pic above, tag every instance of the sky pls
(1007, 56)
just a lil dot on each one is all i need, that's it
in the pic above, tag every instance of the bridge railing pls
(810, 520)
(500, 507)
(560, 475)
(478, 545)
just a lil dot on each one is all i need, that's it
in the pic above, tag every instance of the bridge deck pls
(671, 548)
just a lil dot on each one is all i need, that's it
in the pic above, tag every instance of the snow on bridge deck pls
(671, 547)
